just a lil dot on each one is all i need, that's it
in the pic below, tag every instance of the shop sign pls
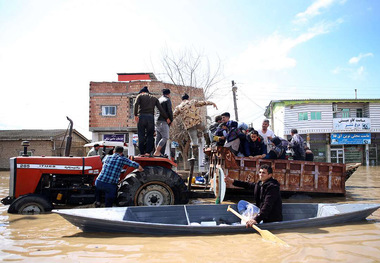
(113, 137)
(351, 124)
(351, 138)
(135, 139)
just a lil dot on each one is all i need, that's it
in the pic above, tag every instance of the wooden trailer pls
(294, 176)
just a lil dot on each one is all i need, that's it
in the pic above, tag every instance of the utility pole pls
(234, 89)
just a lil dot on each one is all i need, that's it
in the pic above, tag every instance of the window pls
(131, 113)
(345, 113)
(359, 113)
(108, 110)
(315, 115)
(302, 116)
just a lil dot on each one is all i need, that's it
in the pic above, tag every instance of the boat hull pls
(208, 219)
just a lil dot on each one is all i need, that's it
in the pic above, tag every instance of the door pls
(373, 154)
(337, 156)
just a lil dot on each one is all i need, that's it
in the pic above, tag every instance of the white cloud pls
(272, 53)
(358, 74)
(353, 73)
(360, 71)
(355, 60)
(314, 10)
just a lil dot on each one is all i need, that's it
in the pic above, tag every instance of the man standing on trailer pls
(109, 176)
(144, 117)
(162, 127)
(189, 110)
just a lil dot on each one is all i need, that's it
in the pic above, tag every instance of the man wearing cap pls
(162, 127)
(266, 194)
(191, 117)
(144, 116)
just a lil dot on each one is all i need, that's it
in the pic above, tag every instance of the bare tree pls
(191, 68)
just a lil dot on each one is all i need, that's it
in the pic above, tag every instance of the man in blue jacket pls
(109, 176)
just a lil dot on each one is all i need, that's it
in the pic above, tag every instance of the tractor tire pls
(31, 204)
(154, 186)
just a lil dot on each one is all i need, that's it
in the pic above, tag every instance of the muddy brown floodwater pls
(50, 238)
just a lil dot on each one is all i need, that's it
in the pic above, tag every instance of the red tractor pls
(37, 183)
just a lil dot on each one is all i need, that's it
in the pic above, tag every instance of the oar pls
(264, 233)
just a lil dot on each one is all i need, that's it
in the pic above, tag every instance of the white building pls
(338, 130)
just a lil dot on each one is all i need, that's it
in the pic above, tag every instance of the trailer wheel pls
(30, 205)
(154, 186)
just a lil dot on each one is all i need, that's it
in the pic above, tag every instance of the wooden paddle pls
(264, 233)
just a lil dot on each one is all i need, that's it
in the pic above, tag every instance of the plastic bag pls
(247, 210)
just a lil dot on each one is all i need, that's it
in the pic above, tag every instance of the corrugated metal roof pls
(301, 101)
(8, 135)
(348, 99)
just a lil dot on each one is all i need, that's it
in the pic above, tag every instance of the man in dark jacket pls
(266, 194)
(144, 116)
(162, 127)
(297, 144)
(254, 145)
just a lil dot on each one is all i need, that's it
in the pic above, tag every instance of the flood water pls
(49, 238)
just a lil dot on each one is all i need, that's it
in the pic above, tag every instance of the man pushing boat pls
(266, 194)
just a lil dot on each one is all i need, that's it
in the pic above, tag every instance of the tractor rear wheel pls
(31, 204)
(154, 186)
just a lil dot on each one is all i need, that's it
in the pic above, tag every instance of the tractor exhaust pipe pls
(69, 138)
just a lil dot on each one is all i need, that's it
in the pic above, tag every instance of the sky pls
(50, 51)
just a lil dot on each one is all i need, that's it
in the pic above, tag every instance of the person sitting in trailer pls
(278, 151)
(297, 145)
(220, 134)
(309, 156)
(214, 127)
(242, 134)
(254, 146)
(231, 136)
(227, 132)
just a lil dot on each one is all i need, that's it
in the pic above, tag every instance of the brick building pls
(42, 142)
(111, 105)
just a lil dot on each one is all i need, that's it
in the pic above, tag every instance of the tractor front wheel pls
(30, 205)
